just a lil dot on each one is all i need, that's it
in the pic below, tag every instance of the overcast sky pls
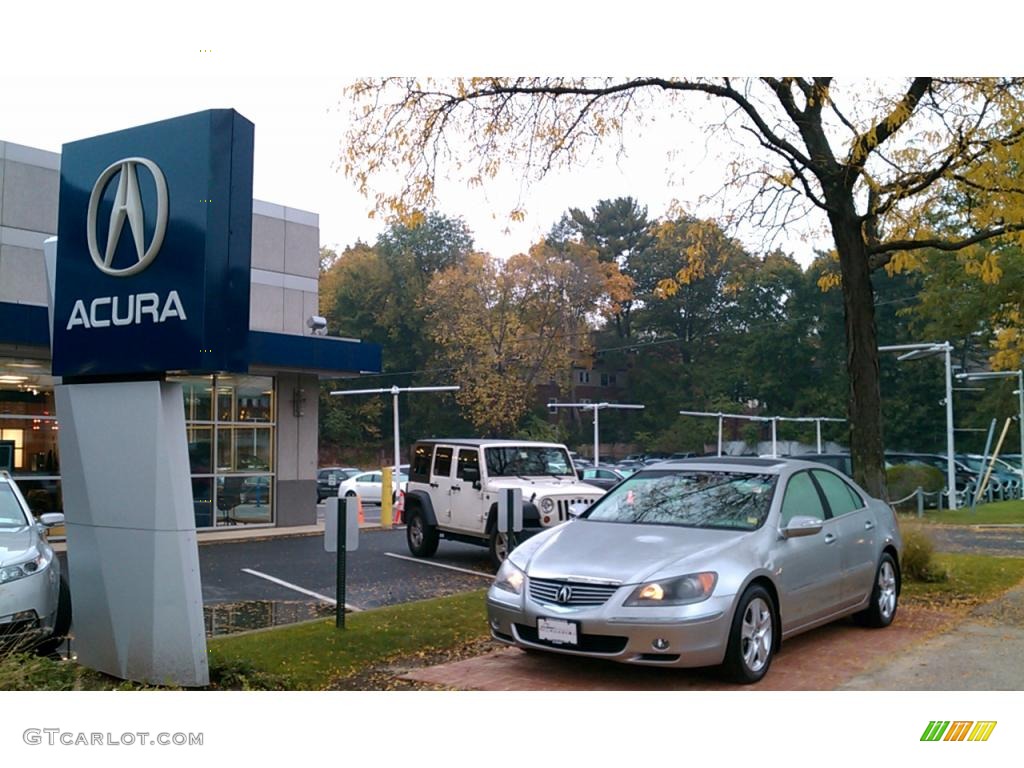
(72, 71)
(76, 70)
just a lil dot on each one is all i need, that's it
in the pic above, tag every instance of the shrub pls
(918, 557)
(242, 675)
(25, 671)
(904, 479)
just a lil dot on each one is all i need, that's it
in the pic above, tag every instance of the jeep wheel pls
(419, 535)
(498, 548)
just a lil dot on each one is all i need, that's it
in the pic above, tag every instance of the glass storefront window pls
(229, 420)
(200, 449)
(198, 393)
(202, 500)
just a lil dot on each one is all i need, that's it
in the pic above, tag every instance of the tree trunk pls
(864, 408)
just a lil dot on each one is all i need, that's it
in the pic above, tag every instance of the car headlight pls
(683, 590)
(509, 578)
(547, 504)
(27, 568)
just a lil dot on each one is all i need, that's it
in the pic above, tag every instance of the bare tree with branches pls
(884, 162)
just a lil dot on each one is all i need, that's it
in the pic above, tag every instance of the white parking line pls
(309, 592)
(439, 565)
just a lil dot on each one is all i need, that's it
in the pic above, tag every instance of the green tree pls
(374, 293)
(504, 327)
(619, 232)
(873, 159)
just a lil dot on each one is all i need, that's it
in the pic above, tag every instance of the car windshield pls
(515, 460)
(692, 499)
(11, 515)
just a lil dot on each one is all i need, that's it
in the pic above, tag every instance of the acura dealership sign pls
(154, 248)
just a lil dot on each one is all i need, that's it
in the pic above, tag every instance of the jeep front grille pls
(580, 593)
(563, 506)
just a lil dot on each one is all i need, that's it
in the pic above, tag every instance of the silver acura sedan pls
(35, 605)
(703, 562)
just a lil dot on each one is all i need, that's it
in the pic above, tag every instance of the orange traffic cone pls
(359, 501)
(399, 508)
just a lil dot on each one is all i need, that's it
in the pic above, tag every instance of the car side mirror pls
(52, 519)
(477, 485)
(802, 525)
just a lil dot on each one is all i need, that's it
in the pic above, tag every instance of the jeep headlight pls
(683, 590)
(510, 578)
(547, 504)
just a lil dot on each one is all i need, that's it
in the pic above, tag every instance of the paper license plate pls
(557, 631)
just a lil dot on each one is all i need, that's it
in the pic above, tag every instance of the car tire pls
(421, 537)
(884, 596)
(753, 637)
(498, 547)
(62, 623)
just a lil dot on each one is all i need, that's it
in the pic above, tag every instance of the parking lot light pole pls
(773, 419)
(982, 376)
(917, 352)
(596, 408)
(817, 424)
(394, 392)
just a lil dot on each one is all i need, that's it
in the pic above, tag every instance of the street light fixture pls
(919, 352)
(773, 419)
(1019, 375)
(596, 408)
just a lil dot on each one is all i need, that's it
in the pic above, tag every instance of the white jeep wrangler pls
(454, 486)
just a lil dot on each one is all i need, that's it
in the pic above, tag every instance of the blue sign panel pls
(154, 248)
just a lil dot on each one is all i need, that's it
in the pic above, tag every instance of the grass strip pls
(997, 513)
(971, 579)
(311, 655)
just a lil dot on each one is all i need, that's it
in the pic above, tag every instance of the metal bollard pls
(920, 501)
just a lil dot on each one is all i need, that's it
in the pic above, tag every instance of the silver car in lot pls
(35, 606)
(703, 562)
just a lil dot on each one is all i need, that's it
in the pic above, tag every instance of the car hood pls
(625, 553)
(14, 542)
(543, 486)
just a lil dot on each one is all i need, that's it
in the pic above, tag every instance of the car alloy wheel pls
(752, 636)
(756, 635)
(886, 590)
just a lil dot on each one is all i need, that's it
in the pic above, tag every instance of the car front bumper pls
(28, 606)
(685, 636)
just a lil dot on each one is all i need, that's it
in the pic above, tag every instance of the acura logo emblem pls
(564, 594)
(127, 205)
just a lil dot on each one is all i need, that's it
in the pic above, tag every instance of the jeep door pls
(467, 500)
(441, 484)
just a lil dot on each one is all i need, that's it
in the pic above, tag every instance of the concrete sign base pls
(132, 555)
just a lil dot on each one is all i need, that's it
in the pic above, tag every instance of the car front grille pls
(579, 594)
(587, 643)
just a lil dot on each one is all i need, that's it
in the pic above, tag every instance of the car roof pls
(766, 465)
(479, 442)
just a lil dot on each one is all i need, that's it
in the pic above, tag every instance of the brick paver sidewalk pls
(823, 659)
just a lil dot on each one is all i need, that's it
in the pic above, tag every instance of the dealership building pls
(252, 435)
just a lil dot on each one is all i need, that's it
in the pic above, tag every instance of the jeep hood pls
(544, 485)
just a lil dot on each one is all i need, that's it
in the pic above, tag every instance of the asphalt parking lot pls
(380, 572)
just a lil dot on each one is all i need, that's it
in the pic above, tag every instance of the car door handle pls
(830, 538)
(434, 485)
(456, 487)
(869, 526)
